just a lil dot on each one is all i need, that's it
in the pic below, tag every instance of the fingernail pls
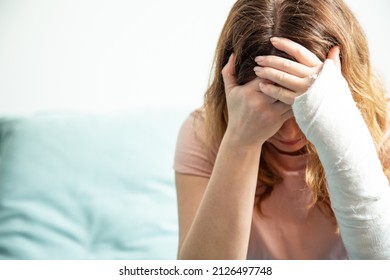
(259, 59)
(257, 68)
(274, 39)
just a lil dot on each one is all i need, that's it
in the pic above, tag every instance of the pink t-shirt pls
(287, 229)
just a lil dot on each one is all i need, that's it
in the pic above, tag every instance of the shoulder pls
(195, 121)
(193, 156)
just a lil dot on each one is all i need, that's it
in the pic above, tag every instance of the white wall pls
(374, 15)
(95, 54)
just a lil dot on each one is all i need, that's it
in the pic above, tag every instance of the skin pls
(215, 214)
(284, 80)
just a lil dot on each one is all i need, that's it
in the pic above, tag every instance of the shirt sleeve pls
(192, 155)
(358, 189)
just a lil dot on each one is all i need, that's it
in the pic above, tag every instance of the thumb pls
(334, 55)
(228, 73)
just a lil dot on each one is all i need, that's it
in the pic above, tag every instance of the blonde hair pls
(318, 26)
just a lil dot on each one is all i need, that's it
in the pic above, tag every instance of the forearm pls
(221, 227)
(358, 189)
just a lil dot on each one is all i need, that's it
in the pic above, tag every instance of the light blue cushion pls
(89, 186)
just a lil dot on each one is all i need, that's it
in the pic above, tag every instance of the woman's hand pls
(290, 79)
(253, 116)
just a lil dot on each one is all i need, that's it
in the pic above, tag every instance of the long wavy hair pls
(317, 25)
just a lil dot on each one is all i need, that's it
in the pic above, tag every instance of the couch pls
(89, 185)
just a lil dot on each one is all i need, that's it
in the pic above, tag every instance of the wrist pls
(236, 142)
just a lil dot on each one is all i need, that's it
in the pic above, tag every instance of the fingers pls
(285, 111)
(299, 52)
(287, 115)
(283, 79)
(277, 93)
(290, 78)
(334, 55)
(228, 73)
(283, 64)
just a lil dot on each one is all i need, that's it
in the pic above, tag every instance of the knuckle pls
(279, 93)
(268, 60)
(286, 64)
(282, 76)
(290, 100)
(265, 60)
(263, 86)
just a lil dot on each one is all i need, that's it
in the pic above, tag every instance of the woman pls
(287, 157)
